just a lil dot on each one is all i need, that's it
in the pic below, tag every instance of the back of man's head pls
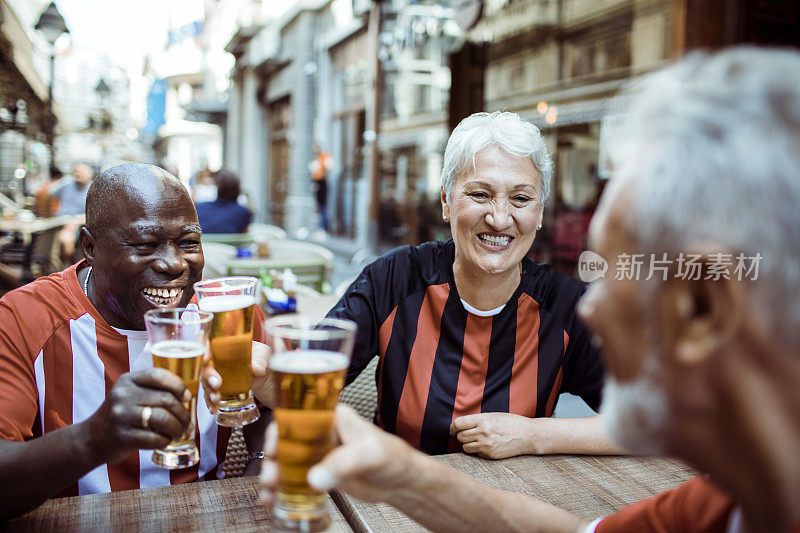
(227, 185)
(82, 173)
(710, 153)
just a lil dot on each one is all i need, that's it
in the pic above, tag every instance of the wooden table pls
(589, 486)
(29, 227)
(224, 505)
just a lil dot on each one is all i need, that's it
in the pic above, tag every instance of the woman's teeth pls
(495, 240)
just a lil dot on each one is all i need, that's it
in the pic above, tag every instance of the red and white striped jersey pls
(439, 361)
(58, 360)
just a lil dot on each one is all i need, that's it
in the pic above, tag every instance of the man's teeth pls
(496, 240)
(161, 295)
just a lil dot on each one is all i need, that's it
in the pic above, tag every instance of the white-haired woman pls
(475, 340)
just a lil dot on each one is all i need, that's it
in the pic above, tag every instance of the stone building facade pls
(308, 77)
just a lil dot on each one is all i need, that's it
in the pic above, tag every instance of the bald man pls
(75, 376)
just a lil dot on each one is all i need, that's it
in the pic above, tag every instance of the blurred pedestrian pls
(224, 214)
(204, 188)
(46, 203)
(71, 194)
(319, 168)
(71, 191)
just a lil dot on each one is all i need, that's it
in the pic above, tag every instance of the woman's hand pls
(501, 435)
(494, 435)
(261, 386)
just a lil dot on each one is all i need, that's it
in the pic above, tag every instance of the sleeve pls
(584, 372)
(592, 527)
(358, 304)
(697, 505)
(18, 393)
(368, 302)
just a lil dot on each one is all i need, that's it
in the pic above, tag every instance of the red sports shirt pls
(697, 506)
(59, 359)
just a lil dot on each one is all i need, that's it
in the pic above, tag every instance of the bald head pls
(141, 236)
(125, 185)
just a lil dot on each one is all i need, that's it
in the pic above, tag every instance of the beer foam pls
(177, 349)
(308, 362)
(221, 304)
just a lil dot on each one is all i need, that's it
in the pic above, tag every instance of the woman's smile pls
(495, 242)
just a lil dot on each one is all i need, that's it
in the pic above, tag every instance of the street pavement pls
(349, 259)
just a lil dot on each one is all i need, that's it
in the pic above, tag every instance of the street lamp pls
(105, 125)
(102, 89)
(52, 25)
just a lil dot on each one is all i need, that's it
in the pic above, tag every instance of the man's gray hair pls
(710, 151)
(504, 130)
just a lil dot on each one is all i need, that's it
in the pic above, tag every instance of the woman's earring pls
(539, 227)
(444, 217)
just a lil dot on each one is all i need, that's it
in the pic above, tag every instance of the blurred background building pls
(94, 95)
(253, 85)
(189, 79)
(91, 100)
(24, 81)
(381, 84)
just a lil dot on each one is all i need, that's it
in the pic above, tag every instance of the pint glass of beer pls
(308, 365)
(178, 339)
(232, 300)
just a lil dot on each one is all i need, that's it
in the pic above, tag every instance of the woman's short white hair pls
(504, 130)
(710, 153)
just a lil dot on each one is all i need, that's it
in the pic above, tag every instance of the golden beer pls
(307, 384)
(184, 359)
(231, 340)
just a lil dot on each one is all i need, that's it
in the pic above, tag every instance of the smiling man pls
(81, 405)
(144, 253)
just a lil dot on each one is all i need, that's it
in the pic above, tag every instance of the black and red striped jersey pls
(438, 361)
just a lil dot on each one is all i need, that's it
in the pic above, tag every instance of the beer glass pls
(177, 339)
(232, 300)
(308, 366)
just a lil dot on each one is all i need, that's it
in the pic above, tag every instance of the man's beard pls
(636, 413)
